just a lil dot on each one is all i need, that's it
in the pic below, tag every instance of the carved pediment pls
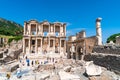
(45, 23)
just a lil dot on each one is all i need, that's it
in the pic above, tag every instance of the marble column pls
(36, 29)
(54, 30)
(29, 45)
(41, 32)
(29, 29)
(24, 50)
(54, 44)
(65, 31)
(77, 56)
(49, 39)
(60, 30)
(36, 46)
(98, 30)
(24, 28)
(60, 46)
(65, 46)
(41, 44)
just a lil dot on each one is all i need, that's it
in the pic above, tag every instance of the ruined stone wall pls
(80, 35)
(107, 49)
(90, 42)
(111, 62)
(68, 46)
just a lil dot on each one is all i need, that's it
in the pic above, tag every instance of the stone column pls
(49, 29)
(77, 56)
(29, 45)
(41, 29)
(24, 28)
(60, 30)
(29, 26)
(54, 44)
(48, 43)
(98, 31)
(65, 47)
(60, 46)
(41, 44)
(36, 46)
(54, 29)
(65, 31)
(36, 29)
(24, 50)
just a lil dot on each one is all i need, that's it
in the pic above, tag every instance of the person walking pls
(32, 63)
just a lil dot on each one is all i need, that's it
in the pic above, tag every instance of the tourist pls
(35, 62)
(20, 60)
(53, 60)
(28, 62)
(23, 63)
(19, 75)
(26, 57)
(32, 63)
(8, 76)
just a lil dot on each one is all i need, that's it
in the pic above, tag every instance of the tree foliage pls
(113, 37)
(10, 28)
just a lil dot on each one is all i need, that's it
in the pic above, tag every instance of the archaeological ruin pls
(43, 37)
(80, 44)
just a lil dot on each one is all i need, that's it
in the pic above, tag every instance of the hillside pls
(112, 37)
(10, 28)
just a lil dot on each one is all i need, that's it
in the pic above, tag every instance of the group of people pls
(31, 62)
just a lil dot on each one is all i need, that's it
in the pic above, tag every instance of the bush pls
(16, 38)
(112, 38)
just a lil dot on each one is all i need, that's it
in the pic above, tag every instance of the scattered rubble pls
(92, 70)
(67, 69)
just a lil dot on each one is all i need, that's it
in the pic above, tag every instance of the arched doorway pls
(79, 52)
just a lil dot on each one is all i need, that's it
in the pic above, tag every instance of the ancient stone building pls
(44, 37)
(80, 44)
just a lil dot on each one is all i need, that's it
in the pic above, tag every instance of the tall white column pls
(98, 31)
(84, 34)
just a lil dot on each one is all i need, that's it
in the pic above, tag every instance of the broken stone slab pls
(67, 69)
(92, 70)
(67, 76)
(43, 76)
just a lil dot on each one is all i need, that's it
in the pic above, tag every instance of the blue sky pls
(78, 14)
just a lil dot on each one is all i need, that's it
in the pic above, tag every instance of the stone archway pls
(79, 52)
